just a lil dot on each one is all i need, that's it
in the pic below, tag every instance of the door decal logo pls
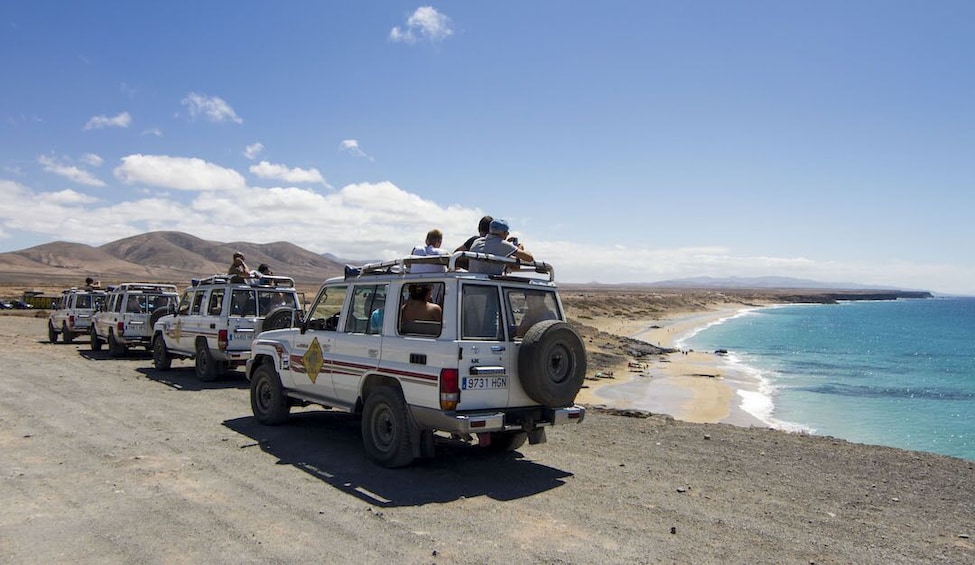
(313, 360)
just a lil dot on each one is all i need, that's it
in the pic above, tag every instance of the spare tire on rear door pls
(278, 319)
(552, 363)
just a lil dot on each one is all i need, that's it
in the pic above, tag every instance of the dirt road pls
(110, 461)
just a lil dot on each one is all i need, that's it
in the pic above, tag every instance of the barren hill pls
(163, 256)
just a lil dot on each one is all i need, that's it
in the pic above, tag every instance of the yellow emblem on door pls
(313, 360)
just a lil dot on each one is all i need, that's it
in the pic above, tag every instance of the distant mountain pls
(760, 283)
(163, 256)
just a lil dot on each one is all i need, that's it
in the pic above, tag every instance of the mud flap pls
(536, 436)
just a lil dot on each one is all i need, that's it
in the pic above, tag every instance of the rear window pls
(480, 313)
(82, 301)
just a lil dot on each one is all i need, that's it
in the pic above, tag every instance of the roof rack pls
(260, 281)
(401, 266)
(143, 287)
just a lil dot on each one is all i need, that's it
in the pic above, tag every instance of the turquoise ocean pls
(899, 373)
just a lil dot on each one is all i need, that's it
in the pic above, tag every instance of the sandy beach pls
(692, 386)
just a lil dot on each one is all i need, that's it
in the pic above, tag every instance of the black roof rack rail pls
(259, 281)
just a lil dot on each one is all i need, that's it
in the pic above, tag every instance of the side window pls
(184, 303)
(243, 303)
(480, 313)
(421, 309)
(112, 303)
(197, 302)
(215, 306)
(367, 310)
(134, 303)
(324, 315)
(528, 307)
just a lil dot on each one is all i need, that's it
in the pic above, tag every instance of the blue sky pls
(624, 141)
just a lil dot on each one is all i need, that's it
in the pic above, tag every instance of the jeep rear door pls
(488, 362)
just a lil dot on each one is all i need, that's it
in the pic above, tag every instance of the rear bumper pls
(524, 419)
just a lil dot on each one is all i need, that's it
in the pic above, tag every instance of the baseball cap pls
(499, 226)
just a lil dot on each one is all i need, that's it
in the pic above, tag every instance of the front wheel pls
(52, 335)
(206, 366)
(96, 344)
(385, 428)
(268, 401)
(160, 354)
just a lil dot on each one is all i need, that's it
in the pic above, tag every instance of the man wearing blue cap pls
(496, 242)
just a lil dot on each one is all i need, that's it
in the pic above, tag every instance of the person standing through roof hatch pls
(498, 242)
(239, 269)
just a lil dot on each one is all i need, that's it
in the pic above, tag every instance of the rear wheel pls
(385, 428)
(52, 334)
(268, 401)
(96, 344)
(160, 354)
(66, 336)
(206, 366)
(507, 441)
(115, 349)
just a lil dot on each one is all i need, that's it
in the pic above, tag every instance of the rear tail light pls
(71, 320)
(121, 327)
(449, 389)
(222, 340)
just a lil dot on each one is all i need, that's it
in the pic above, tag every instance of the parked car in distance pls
(21, 305)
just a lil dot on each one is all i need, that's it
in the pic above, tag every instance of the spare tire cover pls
(552, 363)
(277, 319)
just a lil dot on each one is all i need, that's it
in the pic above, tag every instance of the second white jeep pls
(126, 316)
(419, 354)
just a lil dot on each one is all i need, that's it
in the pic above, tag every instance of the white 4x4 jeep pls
(216, 320)
(499, 361)
(126, 316)
(72, 313)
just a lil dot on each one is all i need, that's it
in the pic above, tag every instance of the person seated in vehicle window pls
(133, 304)
(538, 310)
(376, 318)
(497, 242)
(419, 308)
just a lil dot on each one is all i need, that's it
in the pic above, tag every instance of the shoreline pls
(691, 386)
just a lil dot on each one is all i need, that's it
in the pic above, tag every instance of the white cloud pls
(425, 23)
(351, 146)
(92, 160)
(180, 173)
(69, 172)
(153, 131)
(120, 121)
(266, 170)
(212, 108)
(253, 150)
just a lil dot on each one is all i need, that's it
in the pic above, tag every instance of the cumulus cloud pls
(425, 23)
(120, 121)
(351, 146)
(153, 131)
(179, 173)
(92, 160)
(266, 170)
(212, 108)
(70, 172)
(253, 150)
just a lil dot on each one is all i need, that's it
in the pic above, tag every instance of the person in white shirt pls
(431, 249)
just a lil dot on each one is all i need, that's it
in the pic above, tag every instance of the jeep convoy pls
(72, 313)
(126, 315)
(499, 361)
(419, 355)
(218, 318)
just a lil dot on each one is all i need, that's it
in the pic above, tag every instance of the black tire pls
(507, 441)
(52, 334)
(160, 354)
(268, 401)
(154, 317)
(206, 365)
(66, 335)
(115, 349)
(278, 319)
(96, 344)
(552, 363)
(385, 428)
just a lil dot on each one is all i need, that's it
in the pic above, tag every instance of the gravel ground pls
(110, 461)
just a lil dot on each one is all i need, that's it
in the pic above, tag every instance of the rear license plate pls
(483, 383)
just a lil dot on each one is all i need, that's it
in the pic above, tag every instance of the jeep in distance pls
(499, 362)
(218, 317)
(72, 313)
(127, 313)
